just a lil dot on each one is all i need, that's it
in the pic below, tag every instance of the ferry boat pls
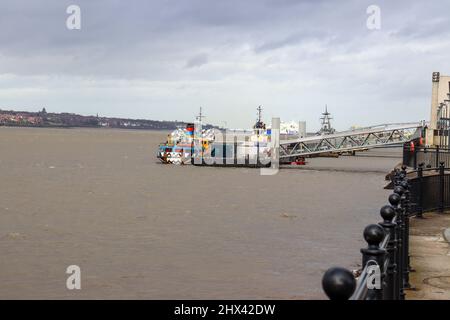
(179, 147)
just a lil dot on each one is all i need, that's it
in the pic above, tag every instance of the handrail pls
(429, 169)
(386, 239)
(432, 148)
(361, 287)
(413, 154)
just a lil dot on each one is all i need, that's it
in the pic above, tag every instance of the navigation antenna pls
(200, 115)
(259, 124)
(326, 123)
(259, 114)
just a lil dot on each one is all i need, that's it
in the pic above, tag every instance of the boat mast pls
(326, 127)
(200, 116)
(259, 114)
(259, 124)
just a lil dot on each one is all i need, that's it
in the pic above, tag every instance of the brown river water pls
(139, 229)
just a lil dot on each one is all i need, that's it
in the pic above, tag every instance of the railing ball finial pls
(338, 283)
(387, 213)
(374, 234)
(404, 184)
(394, 199)
(399, 190)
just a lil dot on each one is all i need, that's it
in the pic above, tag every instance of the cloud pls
(197, 61)
(291, 40)
(162, 59)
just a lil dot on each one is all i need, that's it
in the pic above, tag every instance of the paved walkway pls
(430, 257)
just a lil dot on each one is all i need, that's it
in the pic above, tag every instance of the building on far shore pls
(438, 129)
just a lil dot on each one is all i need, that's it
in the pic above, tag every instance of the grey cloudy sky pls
(163, 59)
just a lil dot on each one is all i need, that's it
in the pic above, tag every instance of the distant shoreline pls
(83, 127)
(43, 119)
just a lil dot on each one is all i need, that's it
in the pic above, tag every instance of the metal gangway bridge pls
(352, 140)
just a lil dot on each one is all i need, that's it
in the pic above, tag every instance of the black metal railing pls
(431, 156)
(430, 187)
(385, 261)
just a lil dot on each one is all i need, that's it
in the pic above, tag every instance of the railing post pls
(415, 159)
(404, 170)
(441, 186)
(394, 200)
(437, 157)
(406, 155)
(396, 176)
(407, 186)
(404, 203)
(389, 290)
(401, 176)
(420, 193)
(373, 255)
